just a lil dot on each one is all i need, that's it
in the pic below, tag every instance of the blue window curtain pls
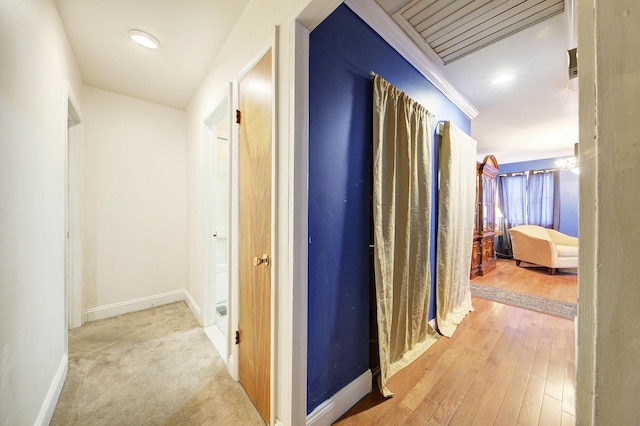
(527, 198)
(512, 196)
(543, 199)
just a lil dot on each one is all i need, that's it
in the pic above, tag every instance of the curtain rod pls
(373, 74)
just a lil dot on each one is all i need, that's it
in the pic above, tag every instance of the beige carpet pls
(154, 367)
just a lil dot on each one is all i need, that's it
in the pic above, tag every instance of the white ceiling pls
(191, 33)
(533, 116)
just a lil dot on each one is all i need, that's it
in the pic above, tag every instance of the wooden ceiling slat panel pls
(496, 23)
(454, 28)
(503, 11)
(481, 40)
(416, 7)
(453, 18)
(430, 11)
(461, 18)
(441, 15)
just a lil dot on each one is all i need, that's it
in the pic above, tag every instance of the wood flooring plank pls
(490, 406)
(559, 333)
(467, 410)
(569, 388)
(398, 416)
(532, 401)
(452, 395)
(465, 361)
(415, 396)
(491, 329)
(555, 374)
(571, 341)
(568, 419)
(510, 407)
(543, 349)
(421, 415)
(551, 412)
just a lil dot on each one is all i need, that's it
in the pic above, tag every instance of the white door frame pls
(75, 312)
(209, 266)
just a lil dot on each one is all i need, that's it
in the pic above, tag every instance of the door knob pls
(264, 259)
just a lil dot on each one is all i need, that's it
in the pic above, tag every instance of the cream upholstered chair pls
(545, 247)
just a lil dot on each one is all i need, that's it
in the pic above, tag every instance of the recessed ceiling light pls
(502, 78)
(144, 39)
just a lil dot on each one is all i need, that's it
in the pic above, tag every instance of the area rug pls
(526, 301)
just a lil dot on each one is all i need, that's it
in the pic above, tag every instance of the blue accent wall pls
(568, 182)
(343, 50)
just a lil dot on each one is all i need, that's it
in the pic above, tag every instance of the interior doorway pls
(217, 283)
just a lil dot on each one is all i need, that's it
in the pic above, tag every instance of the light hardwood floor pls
(531, 279)
(503, 366)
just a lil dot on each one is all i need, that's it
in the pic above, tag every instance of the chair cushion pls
(567, 251)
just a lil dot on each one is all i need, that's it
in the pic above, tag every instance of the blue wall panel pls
(568, 182)
(343, 50)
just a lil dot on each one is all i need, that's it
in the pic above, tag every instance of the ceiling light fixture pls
(144, 39)
(502, 78)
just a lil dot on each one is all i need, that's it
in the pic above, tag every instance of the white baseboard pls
(115, 309)
(50, 401)
(334, 407)
(195, 309)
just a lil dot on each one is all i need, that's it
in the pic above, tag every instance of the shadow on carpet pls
(526, 301)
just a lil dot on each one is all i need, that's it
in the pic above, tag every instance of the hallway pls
(149, 367)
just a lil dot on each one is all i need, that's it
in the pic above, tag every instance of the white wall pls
(35, 64)
(134, 223)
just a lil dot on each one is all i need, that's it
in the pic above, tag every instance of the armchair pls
(545, 247)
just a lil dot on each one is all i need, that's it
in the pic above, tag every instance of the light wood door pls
(255, 100)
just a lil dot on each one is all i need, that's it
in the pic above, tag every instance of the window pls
(527, 198)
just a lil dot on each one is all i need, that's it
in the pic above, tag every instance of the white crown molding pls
(376, 17)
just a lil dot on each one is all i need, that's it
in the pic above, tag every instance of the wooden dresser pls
(483, 257)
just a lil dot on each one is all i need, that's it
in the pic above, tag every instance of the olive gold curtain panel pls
(402, 193)
(456, 203)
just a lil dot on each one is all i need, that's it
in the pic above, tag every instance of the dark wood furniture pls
(483, 256)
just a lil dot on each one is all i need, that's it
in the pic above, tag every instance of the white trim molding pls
(334, 407)
(376, 17)
(140, 304)
(195, 309)
(51, 400)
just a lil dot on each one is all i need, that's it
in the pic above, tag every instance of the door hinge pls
(238, 115)
(237, 337)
